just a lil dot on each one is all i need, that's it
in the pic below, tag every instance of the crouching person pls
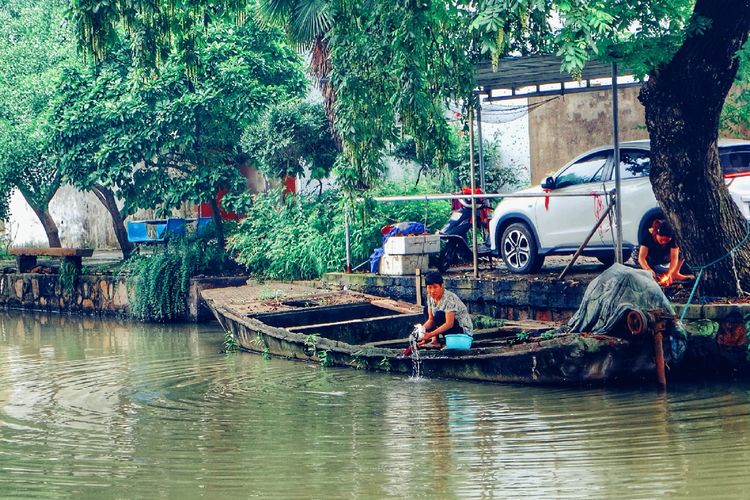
(446, 314)
(659, 254)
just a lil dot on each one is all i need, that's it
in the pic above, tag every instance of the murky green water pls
(92, 409)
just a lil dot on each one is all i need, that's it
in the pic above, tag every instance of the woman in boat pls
(659, 254)
(446, 314)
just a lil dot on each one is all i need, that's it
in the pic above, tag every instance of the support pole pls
(418, 286)
(480, 148)
(661, 373)
(618, 199)
(473, 199)
(348, 241)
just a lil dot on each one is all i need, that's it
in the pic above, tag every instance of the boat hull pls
(564, 359)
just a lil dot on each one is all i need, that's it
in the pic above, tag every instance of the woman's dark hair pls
(433, 278)
(664, 229)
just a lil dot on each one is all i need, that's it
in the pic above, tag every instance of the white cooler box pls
(400, 265)
(412, 245)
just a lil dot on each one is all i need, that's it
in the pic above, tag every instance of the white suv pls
(525, 230)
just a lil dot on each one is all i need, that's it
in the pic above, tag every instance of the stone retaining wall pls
(509, 298)
(93, 295)
(42, 292)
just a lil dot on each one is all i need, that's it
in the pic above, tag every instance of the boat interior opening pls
(357, 323)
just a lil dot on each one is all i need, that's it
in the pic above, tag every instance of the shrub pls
(302, 237)
(159, 282)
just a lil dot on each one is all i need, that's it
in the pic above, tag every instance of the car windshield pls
(588, 169)
(735, 161)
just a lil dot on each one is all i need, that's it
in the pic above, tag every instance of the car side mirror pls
(549, 183)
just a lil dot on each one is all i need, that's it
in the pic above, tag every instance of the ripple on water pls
(147, 413)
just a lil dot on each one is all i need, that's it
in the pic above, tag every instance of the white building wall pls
(512, 136)
(510, 129)
(81, 220)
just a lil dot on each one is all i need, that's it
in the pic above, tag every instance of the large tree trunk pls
(683, 101)
(48, 223)
(216, 214)
(107, 197)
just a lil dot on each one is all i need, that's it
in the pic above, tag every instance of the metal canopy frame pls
(523, 77)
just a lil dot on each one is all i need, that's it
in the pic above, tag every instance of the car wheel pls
(519, 250)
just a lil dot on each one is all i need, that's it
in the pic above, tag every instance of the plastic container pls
(458, 341)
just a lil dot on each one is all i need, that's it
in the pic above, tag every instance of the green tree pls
(497, 174)
(35, 44)
(290, 137)
(161, 139)
(307, 23)
(393, 63)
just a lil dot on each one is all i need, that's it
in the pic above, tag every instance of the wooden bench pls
(26, 257)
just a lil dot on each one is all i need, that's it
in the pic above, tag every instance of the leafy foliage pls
(159, 282)
(326, 359)
(642, 35)
(127, 129)
(523, 336)
(457, 167)
(385, 364)
(68, 277)
(35, 45)
(481, 321)
(302, 237)
(392, 65)
(290, 137)
(548, 335)
(395, 63)
(230, 343)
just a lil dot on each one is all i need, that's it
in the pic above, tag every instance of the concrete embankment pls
(718, 333)
(93, 295)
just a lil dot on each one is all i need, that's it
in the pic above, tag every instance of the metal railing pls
(611, 194)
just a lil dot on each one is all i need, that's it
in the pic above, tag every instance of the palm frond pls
(275, 11)
(311, 18)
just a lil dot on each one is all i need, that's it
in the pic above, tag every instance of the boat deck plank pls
(273, 296)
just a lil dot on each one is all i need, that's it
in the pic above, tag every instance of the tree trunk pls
(216, 214)
(48, 223)
(107, 197)
(683, 102)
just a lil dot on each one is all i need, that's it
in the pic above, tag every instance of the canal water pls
(106, 409)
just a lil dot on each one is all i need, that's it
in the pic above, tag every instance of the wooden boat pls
(368, 332)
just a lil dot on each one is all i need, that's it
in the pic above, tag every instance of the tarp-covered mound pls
(611, 295)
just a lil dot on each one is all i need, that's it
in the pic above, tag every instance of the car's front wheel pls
(519, 250)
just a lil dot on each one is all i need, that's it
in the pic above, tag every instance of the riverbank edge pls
(95, 295)
(718, 333)
(512, 298)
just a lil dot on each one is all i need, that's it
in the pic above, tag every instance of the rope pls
(716, 261)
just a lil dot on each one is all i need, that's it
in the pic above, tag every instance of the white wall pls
(513, 135)
(81, 220)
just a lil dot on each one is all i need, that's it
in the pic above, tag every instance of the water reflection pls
(92, 409)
